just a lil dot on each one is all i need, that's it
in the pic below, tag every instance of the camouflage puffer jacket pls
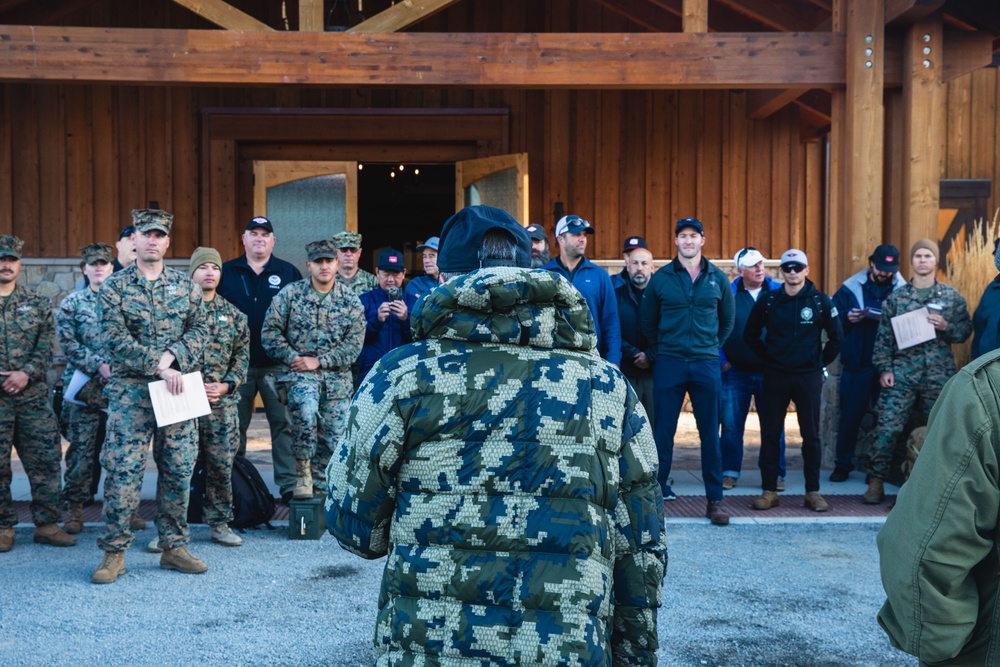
(509, 473)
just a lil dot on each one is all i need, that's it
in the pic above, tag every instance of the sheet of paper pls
(912, 328)
(189, 404)
(75, 385)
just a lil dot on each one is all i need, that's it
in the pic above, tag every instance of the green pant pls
(261, 380)
(80, 424)
(28, 421)
(218, 440)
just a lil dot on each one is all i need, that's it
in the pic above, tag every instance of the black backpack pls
(253, 503)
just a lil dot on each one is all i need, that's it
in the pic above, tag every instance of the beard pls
(639, 280)
(539, 259)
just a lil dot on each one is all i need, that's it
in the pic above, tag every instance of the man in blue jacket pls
(387, 312)
(592, 281)
(250, 282)
(688, 311)
(742, 369)
(859, 306)
(986, 321)
(421, 285)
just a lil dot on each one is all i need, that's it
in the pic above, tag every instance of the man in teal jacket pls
(508, 472)
(940, 544)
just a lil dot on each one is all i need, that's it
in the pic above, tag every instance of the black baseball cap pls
(261, 222)
(693, 223)
(886, 258)
(633, 242)
(462, 237)
(536, 232)
(128, 230)
(391, 260)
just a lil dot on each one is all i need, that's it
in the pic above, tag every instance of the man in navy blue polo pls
(421, 285)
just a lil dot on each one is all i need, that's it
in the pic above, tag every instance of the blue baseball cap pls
(432, 243)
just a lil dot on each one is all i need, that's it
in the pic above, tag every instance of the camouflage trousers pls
(218, 440)
(175, 448)
(29, 419)
(80, 424)
(318, 422)
(893, 409)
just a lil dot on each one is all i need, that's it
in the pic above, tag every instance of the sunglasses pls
(743, 253)
(792, 268)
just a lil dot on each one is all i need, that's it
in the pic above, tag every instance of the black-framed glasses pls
(792, 268)
(743, 253)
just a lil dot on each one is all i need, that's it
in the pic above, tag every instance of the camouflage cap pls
(148, 219)
(347, 240)
(11, 246)
(96, 252)
(321, 249)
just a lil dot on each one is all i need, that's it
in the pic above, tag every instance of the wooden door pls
(500, 181)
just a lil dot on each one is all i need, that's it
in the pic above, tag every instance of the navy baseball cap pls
(693, 223)
(391, 260)
(260, 221)
(126, 231)
(573, 224)
(536, 232)
(462, 237)
(633, 242)
(886, 258)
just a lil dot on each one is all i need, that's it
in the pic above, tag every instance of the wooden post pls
(835, 223)
(311, 15)
(923, 129)
(695, 15)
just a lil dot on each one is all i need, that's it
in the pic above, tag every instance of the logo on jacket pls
(274, 280)
(23, 309)
(807, 314)
(171, 289)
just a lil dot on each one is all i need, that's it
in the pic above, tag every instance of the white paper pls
(912, 328)
(189, 404)
(75, 385)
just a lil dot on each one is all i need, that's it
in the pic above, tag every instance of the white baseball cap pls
(748, 257)
(794, 256)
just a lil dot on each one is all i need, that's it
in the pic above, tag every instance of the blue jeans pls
(672, 378)
(737, 388)
(858, 391)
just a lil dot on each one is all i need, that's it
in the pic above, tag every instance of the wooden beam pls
(910, 11)
(779, 14)
(965, 52)
(762, 103)
(311, 17)
(402, 15)
(224, 15)
(522, 60)
(923, 127)
(695, 15)
(648, 15)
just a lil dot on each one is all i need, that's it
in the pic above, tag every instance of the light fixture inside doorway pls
(341, 18)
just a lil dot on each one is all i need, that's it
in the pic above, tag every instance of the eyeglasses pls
(792, 268)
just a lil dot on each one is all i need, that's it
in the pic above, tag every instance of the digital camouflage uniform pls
(27, 332)
(331, 327)
(920, 371)
(226, 356)
(140, 320)
(363, 281)
(79, 328)
(509, 473)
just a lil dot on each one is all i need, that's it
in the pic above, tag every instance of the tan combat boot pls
(224, 535)
(303, 489)
(875, 493)
(53, 535)
(766, 501)
(74, 519)
(179, 559)
(6, 539)
(112, 567)
(136, 522)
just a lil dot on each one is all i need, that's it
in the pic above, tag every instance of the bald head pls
(639, 264)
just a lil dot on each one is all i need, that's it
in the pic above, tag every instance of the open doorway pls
(401, 205)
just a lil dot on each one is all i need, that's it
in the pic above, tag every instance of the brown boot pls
(179, 559)
(53, 535)
(136, 522)
(112, 567)
(766, 501)
(6, 539)
(716, 514)
(303, 489)
(816, 502)
(875, 493)
(74, 519)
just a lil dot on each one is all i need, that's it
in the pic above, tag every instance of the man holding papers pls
(911, 372)
(153, 329)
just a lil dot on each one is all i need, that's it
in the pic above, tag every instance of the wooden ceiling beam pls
(965, 52)
(224, 15)
(648, 15)
(763, 103)
(402, 15)
(905, 12)
(311, 16)
(518, 60)
(695, 15)
(779, 15)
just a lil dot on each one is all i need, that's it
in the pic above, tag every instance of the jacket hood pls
(507, 305)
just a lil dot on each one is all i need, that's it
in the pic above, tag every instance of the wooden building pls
(828, 125)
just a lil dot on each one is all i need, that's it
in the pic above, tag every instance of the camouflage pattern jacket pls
(27, 331)
(932, 359)
(226, 354)
(509, 472)
(78, 326)
(142, 319)
(299, 322)
(362, 282)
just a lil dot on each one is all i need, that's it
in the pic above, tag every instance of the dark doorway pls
(400, 206)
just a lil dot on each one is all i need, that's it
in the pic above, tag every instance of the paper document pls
(75, 385)
(190, 404)
(912, 328)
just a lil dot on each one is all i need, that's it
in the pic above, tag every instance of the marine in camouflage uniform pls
(509, 473)
(919, 372)
(349, 243)
(142, 322)
(328, 327)
(225, 359)
(27, 332)
(78, 327)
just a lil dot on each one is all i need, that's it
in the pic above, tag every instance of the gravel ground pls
(777, 594)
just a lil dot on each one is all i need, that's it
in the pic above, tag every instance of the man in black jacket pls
(638, 355)
(792, 321)
(250, 282)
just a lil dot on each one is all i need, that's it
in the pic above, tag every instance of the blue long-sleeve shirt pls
(594, 284)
